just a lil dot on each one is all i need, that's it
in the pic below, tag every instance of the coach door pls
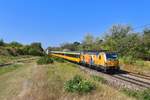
(101, 59)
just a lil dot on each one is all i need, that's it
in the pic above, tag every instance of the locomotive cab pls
(111, 60)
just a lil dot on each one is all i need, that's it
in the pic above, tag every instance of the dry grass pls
(46, 82)
(37, 87)
(142, 67)
(6, 59)
(11, 82)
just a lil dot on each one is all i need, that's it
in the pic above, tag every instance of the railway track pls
(17, 61)
(134, 80)
(122, 80)
(139, 75)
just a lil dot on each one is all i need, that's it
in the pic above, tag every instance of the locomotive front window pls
(111, 56)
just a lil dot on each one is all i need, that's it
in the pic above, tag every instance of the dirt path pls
(26, 83)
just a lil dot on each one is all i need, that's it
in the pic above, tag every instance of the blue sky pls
(53, 22)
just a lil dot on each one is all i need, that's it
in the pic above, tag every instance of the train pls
(105, 60)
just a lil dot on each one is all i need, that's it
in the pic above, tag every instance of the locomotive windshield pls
(112, 56)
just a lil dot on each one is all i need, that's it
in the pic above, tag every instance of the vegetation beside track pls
(138, 66)
(60, 73)
(9, 68)
(57, 59)
(140, 95)
(78, 84)
(49, 60)
(17, 49)
(15, 63)
(99, 79)
(7, 59)
(45, 60)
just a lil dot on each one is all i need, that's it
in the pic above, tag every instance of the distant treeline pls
(16, 48)
(120, 38)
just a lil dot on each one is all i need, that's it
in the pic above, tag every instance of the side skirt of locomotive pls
(101, 68)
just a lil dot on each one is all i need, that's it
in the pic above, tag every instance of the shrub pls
(12, 51)
(34, 52)
(78, 84)
(99, 79)
(61, 60)
(1, 42)
(131, 93)
(45, 60)
(34, 49)
(20, 51)
(145, 95)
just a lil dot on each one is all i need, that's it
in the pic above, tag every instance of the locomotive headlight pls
(108, 63)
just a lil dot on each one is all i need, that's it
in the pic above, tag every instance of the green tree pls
(116, 38)
(88, 42)
(36, 49)
(1, 42)
(71, 46)
(145, 45)
(33, 49)
(15, 44)
(37, 46)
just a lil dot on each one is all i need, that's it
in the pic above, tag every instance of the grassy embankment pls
(139, 66)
